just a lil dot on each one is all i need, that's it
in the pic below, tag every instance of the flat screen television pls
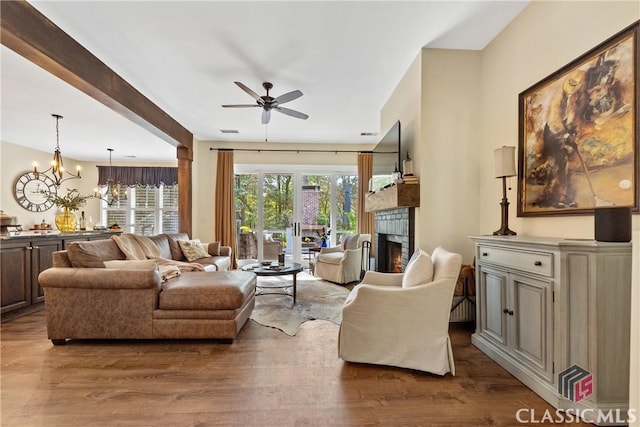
(386, 158)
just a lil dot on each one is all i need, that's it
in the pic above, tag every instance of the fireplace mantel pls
(396, 196)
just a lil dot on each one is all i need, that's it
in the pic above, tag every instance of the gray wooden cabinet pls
(547, 304)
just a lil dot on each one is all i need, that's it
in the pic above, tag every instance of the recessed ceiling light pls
(229, 131)
(368, 133)
(131, 156)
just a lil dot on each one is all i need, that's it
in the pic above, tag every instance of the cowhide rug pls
(316, 299)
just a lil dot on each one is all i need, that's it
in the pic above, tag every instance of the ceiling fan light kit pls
(268, 103)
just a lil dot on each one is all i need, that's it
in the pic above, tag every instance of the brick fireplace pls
(394, 239)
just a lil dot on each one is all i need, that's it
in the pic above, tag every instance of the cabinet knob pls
(485, 253)
(537, 263)
(510, 312)
(505, 311)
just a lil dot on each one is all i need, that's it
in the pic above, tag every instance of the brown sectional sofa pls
(85, 300)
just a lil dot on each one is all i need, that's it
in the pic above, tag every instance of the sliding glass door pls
(290, 211)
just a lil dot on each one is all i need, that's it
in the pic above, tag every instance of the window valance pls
(130, 176)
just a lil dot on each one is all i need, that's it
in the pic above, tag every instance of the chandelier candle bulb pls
(56, 169)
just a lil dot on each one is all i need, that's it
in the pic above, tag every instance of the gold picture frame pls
(578, 133)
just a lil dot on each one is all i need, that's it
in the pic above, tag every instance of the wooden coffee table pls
(292, 268)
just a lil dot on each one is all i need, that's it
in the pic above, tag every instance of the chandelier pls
(112, 195)
(56, 171)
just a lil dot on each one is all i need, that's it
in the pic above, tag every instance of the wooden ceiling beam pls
(29, 33)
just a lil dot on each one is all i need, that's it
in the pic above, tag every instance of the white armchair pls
(385, 323)
(342, 264)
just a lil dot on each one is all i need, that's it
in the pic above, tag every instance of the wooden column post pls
(185, 162)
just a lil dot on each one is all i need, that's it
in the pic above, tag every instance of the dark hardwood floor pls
(265, 378)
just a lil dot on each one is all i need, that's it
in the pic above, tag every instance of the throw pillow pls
(419, 271)
(132, 264)
(193, 249)
(268, 237)
(174, 246)
(214, 248)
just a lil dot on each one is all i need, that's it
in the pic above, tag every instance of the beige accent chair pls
(271, 247)
(342, 264)
(385, 323)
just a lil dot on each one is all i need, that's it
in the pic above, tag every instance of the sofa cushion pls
(162, 243)
(92, 254)
(193, 249)
(343, 240)
(219, 262)
(419, 271)
(214, 248)
(132, 264)
(174, 246)
(129, 246)
(218, 290)
(351, 242)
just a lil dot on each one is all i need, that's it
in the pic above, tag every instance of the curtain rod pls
(289, 150)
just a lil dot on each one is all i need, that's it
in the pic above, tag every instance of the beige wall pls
(469, 107)
(537, 43)
(16, 159)
(205, 160)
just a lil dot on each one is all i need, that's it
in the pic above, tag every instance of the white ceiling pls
(346, 57)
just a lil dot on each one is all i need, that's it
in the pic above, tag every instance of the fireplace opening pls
(394, 257)
(394, 238)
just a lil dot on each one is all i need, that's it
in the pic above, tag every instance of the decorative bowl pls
(265, 263)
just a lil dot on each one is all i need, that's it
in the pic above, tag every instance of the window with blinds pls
(146, 210)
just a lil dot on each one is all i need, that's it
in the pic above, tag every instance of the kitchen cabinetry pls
(546, 304)
(23, 257)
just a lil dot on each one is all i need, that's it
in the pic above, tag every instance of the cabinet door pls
(531, 313)
(493, 302)
(41, 259)
(15, 288)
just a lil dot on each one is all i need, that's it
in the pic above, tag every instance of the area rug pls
(315, 300)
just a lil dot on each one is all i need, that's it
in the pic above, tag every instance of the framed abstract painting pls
(578, 133)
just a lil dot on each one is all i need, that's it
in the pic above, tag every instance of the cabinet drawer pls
(534, 262)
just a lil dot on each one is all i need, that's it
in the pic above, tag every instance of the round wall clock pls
(35, 192)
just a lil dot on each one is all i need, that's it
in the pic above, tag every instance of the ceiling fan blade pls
(240, 105)
(266, 116)
(289, 96)
(292, 113)
(250, 92)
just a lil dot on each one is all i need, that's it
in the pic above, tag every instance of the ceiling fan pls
(269, 103)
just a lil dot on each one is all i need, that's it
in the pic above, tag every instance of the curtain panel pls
(225, 209)
(130, 176)
(365, 172)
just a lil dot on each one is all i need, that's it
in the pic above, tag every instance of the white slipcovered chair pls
(342, 264)
(402, 319)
